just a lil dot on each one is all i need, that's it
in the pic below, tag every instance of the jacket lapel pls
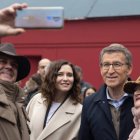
(101, 100)
(105, 108)
(5, 110)
(60, 118)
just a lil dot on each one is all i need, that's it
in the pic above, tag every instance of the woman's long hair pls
(48, 89)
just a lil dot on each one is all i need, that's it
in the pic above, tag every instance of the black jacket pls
(96, 123)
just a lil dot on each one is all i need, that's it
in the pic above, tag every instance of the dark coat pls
(96, 123)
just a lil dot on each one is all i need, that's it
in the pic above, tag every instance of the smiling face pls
(8, 69)
(137, 97)
(115, 78)
(65, 79)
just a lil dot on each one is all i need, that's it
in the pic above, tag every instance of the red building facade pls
(80, 41)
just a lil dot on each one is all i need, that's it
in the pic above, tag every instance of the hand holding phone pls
(40, 17)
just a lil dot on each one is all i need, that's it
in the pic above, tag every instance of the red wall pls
(80, 41)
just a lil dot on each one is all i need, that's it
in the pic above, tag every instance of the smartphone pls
(40, 17)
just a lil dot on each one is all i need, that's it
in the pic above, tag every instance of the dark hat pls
(23, 63)
(130, 86)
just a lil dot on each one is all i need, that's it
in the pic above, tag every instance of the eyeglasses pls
(115, 65)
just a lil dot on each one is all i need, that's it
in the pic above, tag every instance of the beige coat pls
(64, 125)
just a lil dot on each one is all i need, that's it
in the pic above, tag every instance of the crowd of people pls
(55, 110)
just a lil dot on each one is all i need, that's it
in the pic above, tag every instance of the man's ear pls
(129, 71)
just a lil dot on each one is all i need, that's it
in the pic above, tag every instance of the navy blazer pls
(96, 123)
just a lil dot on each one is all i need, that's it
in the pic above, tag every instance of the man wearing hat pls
(133, 87)
(13, 68)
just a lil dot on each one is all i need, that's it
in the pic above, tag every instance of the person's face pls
(65, 79)
(114, 76)
(89, 92)
(137, 97)
(8, 69)
(41, 67)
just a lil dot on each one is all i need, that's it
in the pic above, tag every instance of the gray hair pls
(115, 47)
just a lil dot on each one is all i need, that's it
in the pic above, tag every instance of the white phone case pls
(40, 17)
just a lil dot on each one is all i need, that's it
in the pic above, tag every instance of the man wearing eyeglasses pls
(107, 114)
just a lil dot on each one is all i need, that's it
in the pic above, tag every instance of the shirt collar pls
(109, 98)
(114, 102)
